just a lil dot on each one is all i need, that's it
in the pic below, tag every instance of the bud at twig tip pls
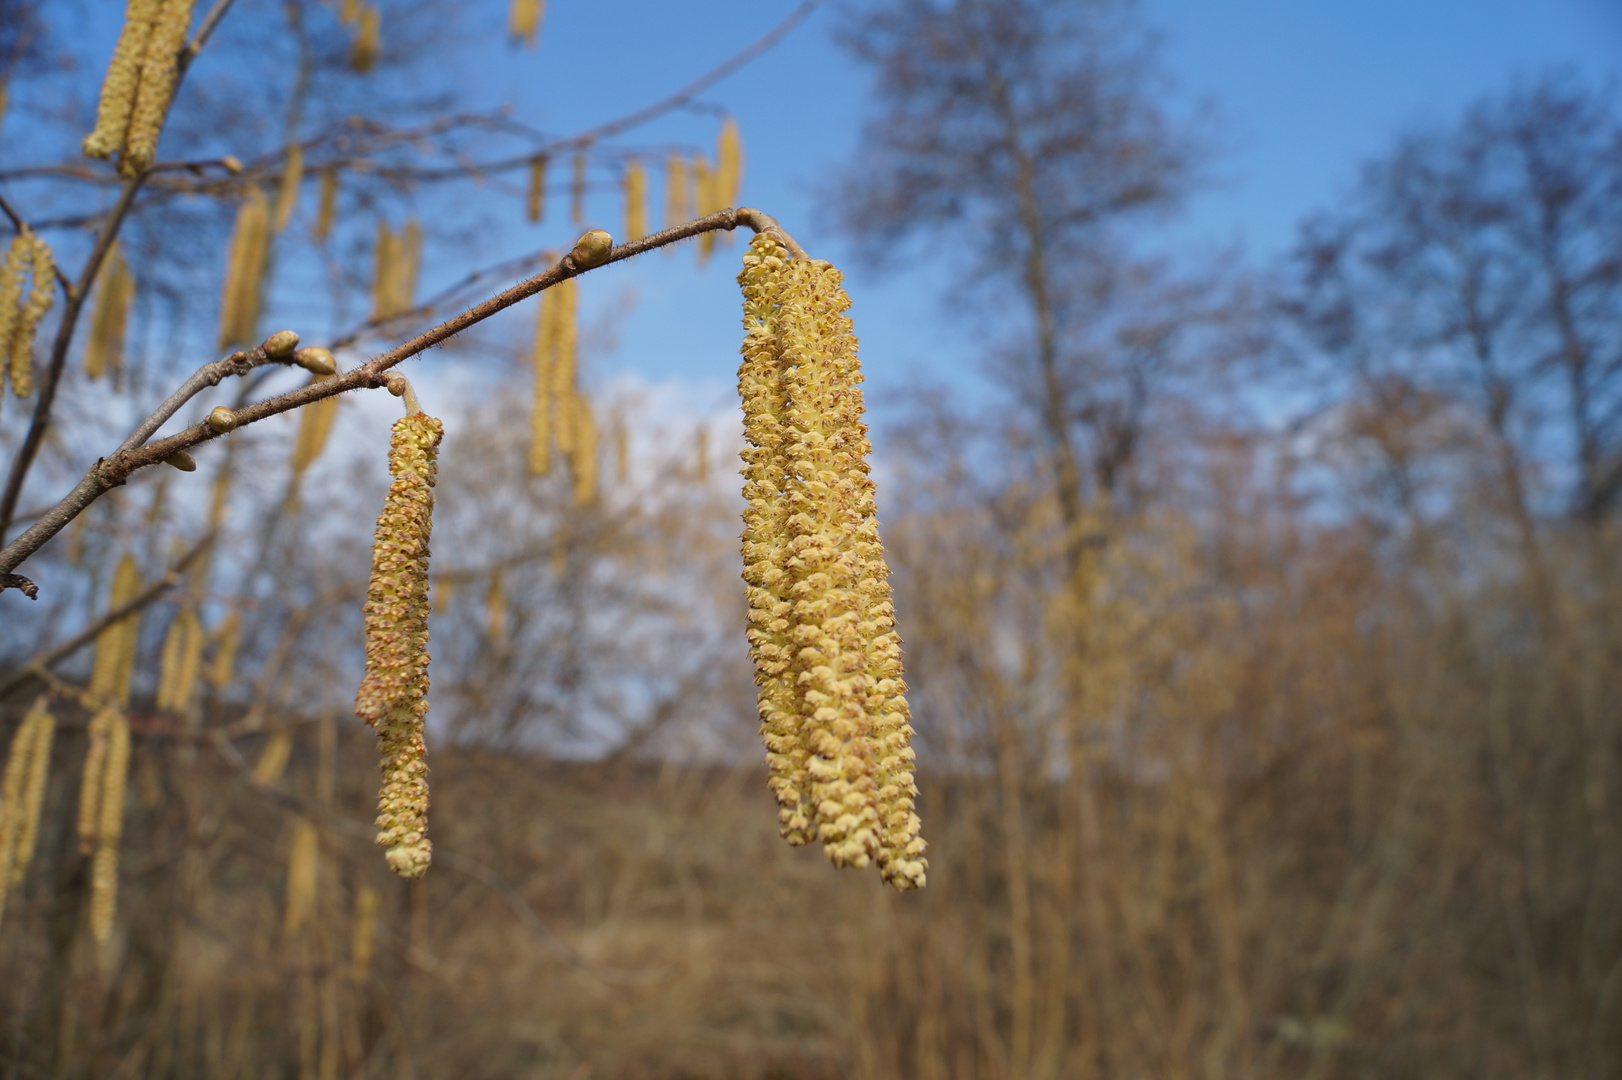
(184, 461)
(393, 382)
(592, 249)
(316, 360)
(281, 344)
(222, 419)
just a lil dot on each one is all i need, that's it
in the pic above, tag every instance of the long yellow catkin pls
(104, 352)
(303, 869)
(524, 21)
(704, 203)
(90, 780)
(225, 653)
(13, 269)
(363, 943)
(368, 38)
(28, 257)
(728, 170)
(287, 193)
(828, 660)
(177, 668)
(384, 255)
(157, 85)
(577, 189)
(239, 306)
(404, 279)
(535, 197)
(315, 425)
(191, 661)
(118, 89)
(541, 355)
(583, 458)
(273, 758)
(622, 452)
(327, 206)
(13, 782)
(678, 198)
(33, 800)
(636, 201)
(393, 694)
(116, 642)
(174, 641)
(104, 864)
(565, 295)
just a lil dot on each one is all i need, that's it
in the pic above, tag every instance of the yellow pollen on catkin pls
(110, 827)
(368, 41)
(245, 267)
(287, 193)
(577, 189)
(28, 259)
(104, 352)
(524, 21)
(393, 694)
(13, 269)
(159, 71)
(327, 206)
(821, 627)
(535, 197)
(636, 201)
(118, 89)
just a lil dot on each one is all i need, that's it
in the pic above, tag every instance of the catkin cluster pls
(832, 702)
(22, 794)
(104, 352)
(398, 258)
(245, 269)
(29, 257)
(140, 81)
(562, 412)
(393, 695)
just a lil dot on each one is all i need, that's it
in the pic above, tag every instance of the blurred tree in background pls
(1263, 627)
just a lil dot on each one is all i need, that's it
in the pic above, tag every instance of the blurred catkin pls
(542, 358)
(327, 206)
(177, 669)
(368, 41)
(622, 451)
(705, 202)
(245, 266)
(104, 352)
(495, 610)
(565, 299)
(90, 780)
(728, 170)
(535, 197)
(583, 453)
(678, 199)
(223, 670)
(118, 89)
(636, 201)
(273, 758)
(303, 868)
(822, 632)
(315, 425)
(110, 827)
(524, 21)
(393, 694)
(12, 272)
(577, 188)
(361, 945)
(287, 193)
(28, 259)
(397, 260)
(22, 791)
(157, 85)
(115, 645)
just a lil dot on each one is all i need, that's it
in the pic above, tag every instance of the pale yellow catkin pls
(110, 830)
(636, 201)
(535, 197)
(828, 661)
(169, 664)
(349, 12)
(393, 694)
(577, 189)
(245, 267)
(273, 758)
(177, 667)
(403, 282)
(384, 256)
(118, 89)
(157, 86)
(90, 778)
(13, 790)
(13, 271)
(364, 940)
(565, 295)
(524, 21)
(368, 41)
(542, 358)
(191, 661)
(116, 642)
(583, 459)
(29, 258)
(303, 871)
(678, 197)
(287, 193)
(104, 351)
(315, 425)
(327, 206)
(704, 203)
(223, 670)
(728, 170)
(33, 800)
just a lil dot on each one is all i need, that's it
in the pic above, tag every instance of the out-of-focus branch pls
(115, 470)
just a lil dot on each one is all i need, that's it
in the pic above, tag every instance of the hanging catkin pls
(119, 88)
(535, 198)
(368, 38)
(104, 352)
(110, 827)
(22, 794)
(622, 451)
(157, 85)
(303, 868)
(827, 658)
(178, 666)
(239, 306)
(728, 170)
(542, 357)
(315, 424)
(397, 260)
(29, 260)
(524, 21)
(115, 645)
(362, 944)
(169, 663)
(273, 758)
(678, 199)
(704, 203)
(636, 201)
(287, 193)
(223, 669)
(393, 695)
(383, 259)
(583, 454)
(404, 279)
(565, 295)
(577, 189)
(327, 207)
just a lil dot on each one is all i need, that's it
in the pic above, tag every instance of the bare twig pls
(115, 470)
(212, 374)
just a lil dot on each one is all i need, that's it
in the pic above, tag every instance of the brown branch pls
(115, 470)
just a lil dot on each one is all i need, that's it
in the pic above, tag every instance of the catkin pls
(303, 868)
(565, 295)
(115, 645)
(535, 198)
(704, 203)
(728, 170)
(223, 670)
(169, 663)
(678, 199)
(524, 21)
(577, 189)
(327, 207)
(368, 38)
(383, 260)
(245, 267)
(104, 352)
(362, 944)
(828, 661)
(104, 864)
(273, 758)
(540, 441)
(583, 455)
(157, 85)
(90, 780)
(636, 201)
(29, 257)
(287, 194)
(315, 425)
(12, 272)
(495, 611)
(393, 694)
(22, 790)
(398, 259)
(177, 670)
(118, 89)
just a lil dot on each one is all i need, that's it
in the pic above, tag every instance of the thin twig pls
(115, 470)
(211, 374)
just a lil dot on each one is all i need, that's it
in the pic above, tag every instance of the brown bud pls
(592, 249)
(280, 345)
(394, 382)
(182, 461)
(316, 360)
(231, 163)
(222, 419)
